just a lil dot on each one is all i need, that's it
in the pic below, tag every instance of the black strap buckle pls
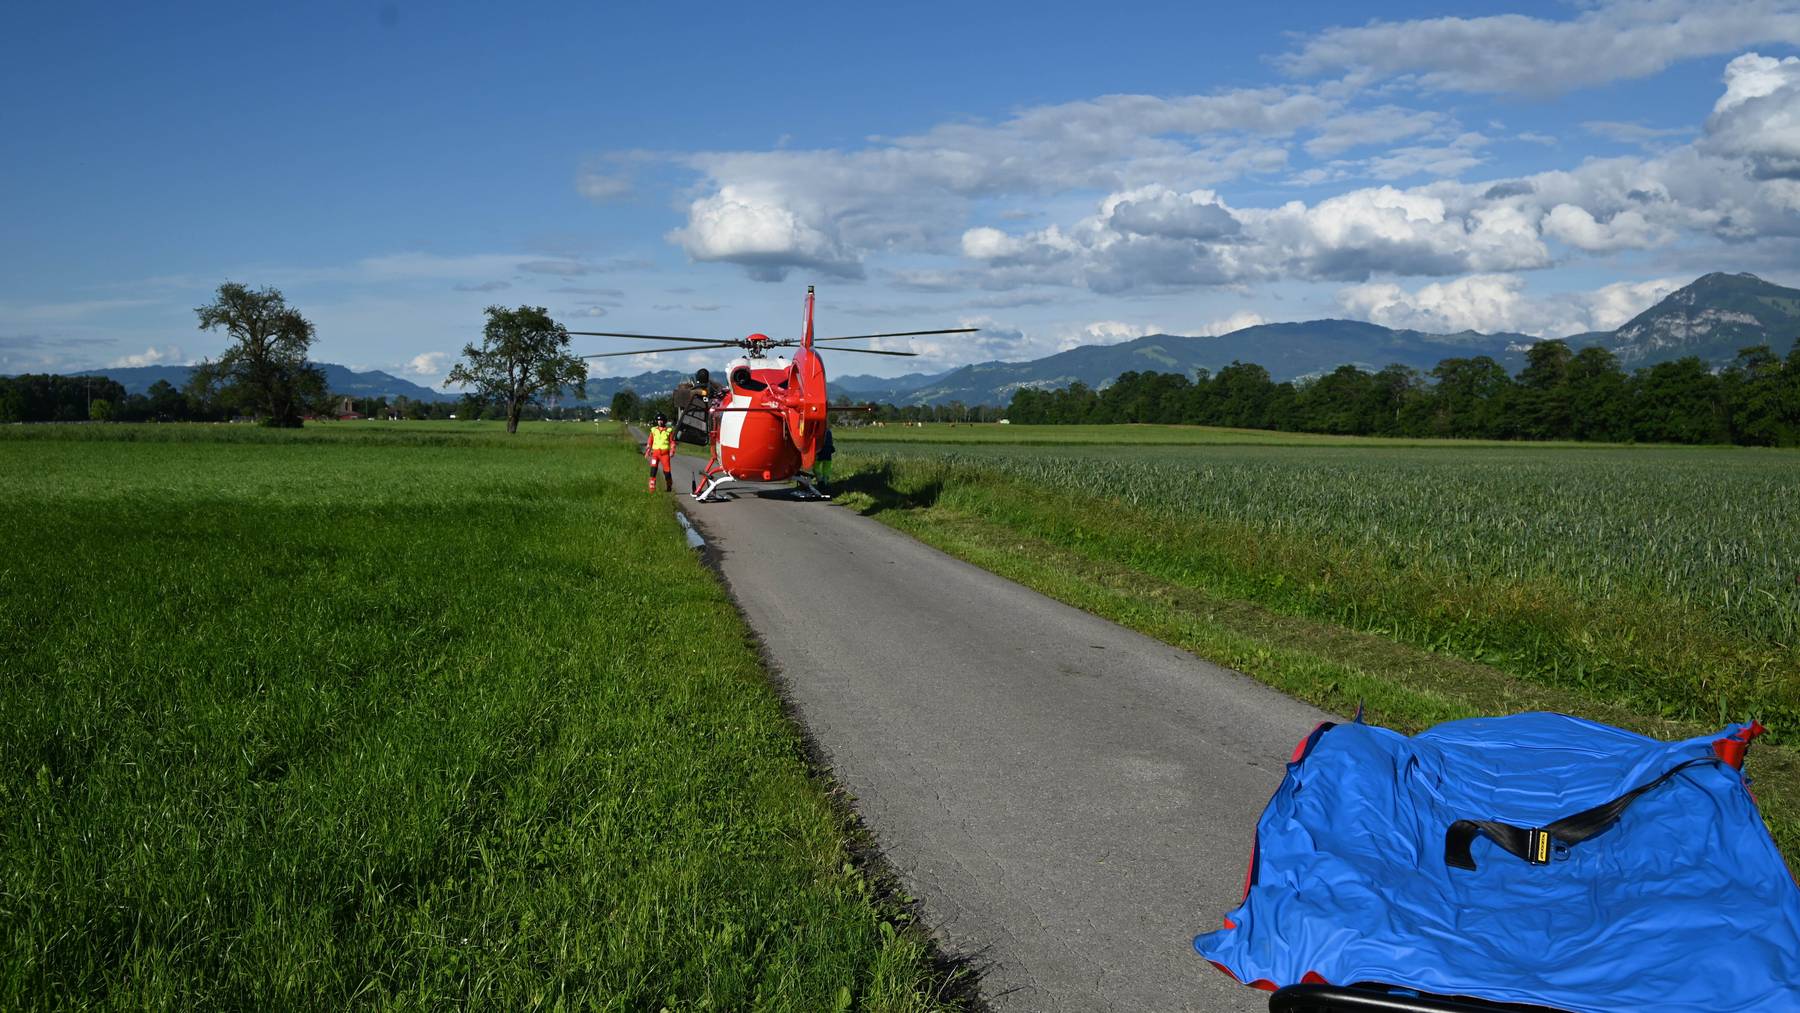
(1538, 845)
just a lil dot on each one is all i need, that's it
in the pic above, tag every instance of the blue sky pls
(1055, 174)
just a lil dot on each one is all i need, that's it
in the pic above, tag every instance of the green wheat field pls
(1652, 587)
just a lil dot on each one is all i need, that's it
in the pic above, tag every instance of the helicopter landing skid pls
(707, 490)
(806, 487)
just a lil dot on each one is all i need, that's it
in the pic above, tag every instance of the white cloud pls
(1498, 302)
(1514, 53)
(1610, 307)
(1381, 125)
(429, 366)
(1161, 160)
(1451, 159)
(762, 235)
(1106, 332)
(1225, 325)
(1155, 211)
(827, 209)
(1729, 193)
(1625, 230)
(1387, 230)
(152, 356)
(1477, 302)
(1758, 117)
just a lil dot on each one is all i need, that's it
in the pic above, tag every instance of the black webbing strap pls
(1536, 844)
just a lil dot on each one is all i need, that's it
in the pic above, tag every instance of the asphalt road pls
(1070, 801)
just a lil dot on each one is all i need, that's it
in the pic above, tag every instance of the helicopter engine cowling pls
(754, 444)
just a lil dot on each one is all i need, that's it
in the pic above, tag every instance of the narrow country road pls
(1070, 801)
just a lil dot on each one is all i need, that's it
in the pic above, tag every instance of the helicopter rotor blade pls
(868, 351)
(650, 337)
(900, 334)
(672, 348)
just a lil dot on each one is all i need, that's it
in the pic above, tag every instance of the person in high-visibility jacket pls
(659, 448)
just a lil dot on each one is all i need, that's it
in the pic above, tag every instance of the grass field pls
(415, 715)
(1654, 587)
(987, 434)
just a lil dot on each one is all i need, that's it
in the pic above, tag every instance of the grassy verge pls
(1318, 621)
(408, 716)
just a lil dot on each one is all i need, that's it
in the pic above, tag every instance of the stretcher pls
(1531, 862)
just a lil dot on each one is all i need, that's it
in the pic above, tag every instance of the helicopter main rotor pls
(756, 346)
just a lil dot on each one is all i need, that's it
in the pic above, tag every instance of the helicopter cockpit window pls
(740, 377)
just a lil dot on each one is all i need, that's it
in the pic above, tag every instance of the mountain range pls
(1711, 318)
(338, 380)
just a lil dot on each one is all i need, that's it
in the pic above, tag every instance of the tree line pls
(630, 406)
(1560, 394)
(264, 373)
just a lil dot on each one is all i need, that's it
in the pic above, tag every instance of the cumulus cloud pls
(1758, 117)
(762, 235)
(937, 198)
(1347, 237)
(152, 356)
(1610, 307)
(1739, 184)
(1235, 322)
(1151, 211)
(429, 366)
(1515, 53)
(1623, 230)
(769, 211)
(1106, 332)
(1498, 302)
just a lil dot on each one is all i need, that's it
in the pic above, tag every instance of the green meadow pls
(406, 715)
(1653, 587)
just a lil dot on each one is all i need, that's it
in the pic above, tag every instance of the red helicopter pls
(769, 424)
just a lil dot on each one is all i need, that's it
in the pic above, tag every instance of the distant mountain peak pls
(1711, 318)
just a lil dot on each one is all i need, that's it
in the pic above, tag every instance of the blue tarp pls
(1683, 905)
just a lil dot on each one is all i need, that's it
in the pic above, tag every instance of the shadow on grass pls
(876, 483)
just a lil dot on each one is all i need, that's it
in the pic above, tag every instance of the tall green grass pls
(1665, 578)
(411, 716)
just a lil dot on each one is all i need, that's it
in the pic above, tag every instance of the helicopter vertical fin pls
(806, 329)
(806, 419)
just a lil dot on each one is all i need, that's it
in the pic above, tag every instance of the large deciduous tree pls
(523, 355)
(265, 369)
(624, 406)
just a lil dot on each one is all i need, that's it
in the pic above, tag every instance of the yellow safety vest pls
(661, 438)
